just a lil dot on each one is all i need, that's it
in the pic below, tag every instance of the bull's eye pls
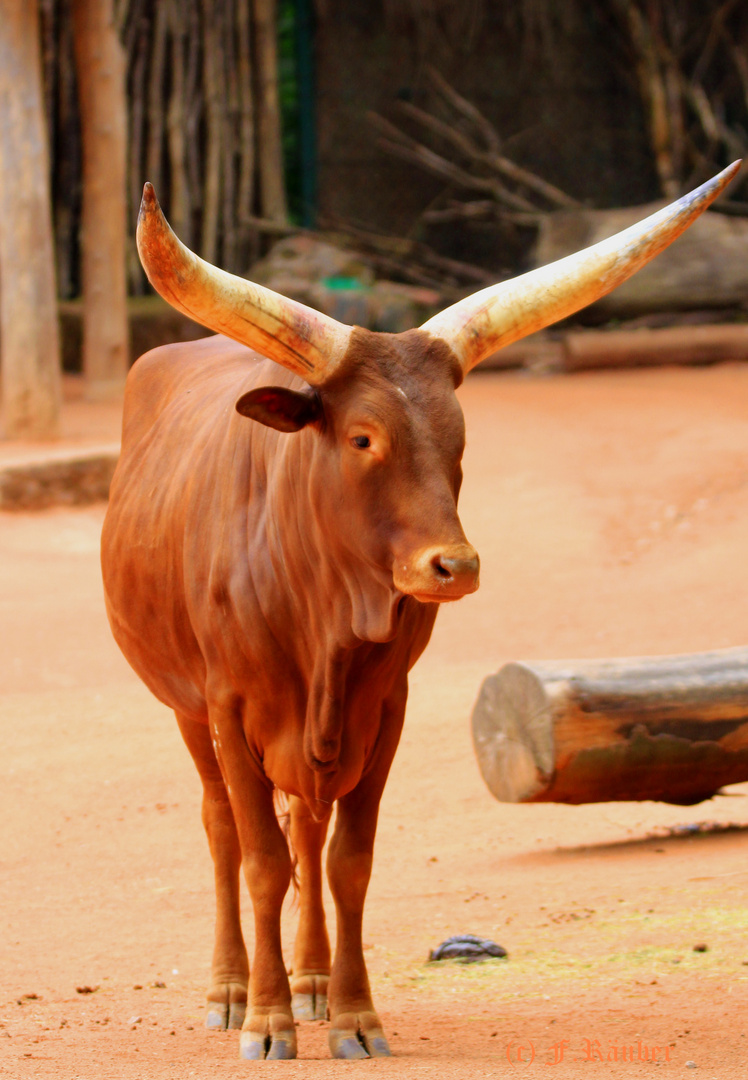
(361, 441)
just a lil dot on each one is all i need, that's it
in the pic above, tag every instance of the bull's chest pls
(314, 733)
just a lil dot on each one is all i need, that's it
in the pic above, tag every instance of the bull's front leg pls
(268, 1031)
(311, 962)
(355, 1028)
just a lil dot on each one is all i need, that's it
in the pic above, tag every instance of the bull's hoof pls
(225, 1017)
(227, 1006)
(255, 1046)
(354, 1037)
(309, 997)
(268, 1037)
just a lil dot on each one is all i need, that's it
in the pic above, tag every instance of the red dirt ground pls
(611, 513)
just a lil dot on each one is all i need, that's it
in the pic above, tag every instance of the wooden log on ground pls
(707, 344)
(672, 729)
(587, 350)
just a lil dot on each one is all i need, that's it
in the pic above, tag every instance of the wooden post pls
(100, 66)
(672, 729)
(29, 340)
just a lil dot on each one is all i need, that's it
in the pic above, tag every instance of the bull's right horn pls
(301, 339)
(494, 317)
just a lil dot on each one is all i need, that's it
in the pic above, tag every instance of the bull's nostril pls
(455, 567)
(442, 567)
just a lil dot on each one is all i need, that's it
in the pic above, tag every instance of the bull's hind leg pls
(311, 963)
(227, 996)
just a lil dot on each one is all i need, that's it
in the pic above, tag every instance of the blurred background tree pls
(102, 106)
(28, 316)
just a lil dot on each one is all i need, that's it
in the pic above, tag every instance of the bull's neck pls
(335, 597)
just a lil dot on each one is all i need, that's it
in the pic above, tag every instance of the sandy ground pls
(611, 513)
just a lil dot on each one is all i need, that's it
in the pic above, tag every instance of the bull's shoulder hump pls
(209, 367)
(173, 363)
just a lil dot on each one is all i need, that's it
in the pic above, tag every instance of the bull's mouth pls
(442, 597)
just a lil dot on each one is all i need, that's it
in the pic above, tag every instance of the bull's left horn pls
(486, 321)
(301, 339)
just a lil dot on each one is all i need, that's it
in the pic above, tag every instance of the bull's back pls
(179, 403)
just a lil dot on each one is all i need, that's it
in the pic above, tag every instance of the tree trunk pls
(248, 245)
(180, 213)
(100, 65)
(29, 339)
(154, 151)
(66, 188)
(272, 188)
(213, 82)
(136, 138)
(672, 729)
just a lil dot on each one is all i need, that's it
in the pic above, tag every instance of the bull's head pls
(386, 402)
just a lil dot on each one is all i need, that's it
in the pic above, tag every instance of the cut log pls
(671, 729)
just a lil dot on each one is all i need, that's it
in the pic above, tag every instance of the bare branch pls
(496, 161)
(466, 109)
(713, 126)
(446, 170)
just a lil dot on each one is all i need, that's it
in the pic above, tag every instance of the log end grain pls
(513, 733)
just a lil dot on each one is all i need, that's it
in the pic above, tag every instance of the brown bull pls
(277, 541)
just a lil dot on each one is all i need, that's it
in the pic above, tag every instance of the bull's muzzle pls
(439, 573)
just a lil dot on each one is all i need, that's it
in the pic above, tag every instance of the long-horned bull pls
(274, 581)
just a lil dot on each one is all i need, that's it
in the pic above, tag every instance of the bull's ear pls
(279, 408)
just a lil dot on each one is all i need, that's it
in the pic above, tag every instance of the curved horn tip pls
(149, 200)
(721, 179)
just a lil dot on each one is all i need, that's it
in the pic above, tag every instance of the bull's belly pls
(178, 686)
(146, 613)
